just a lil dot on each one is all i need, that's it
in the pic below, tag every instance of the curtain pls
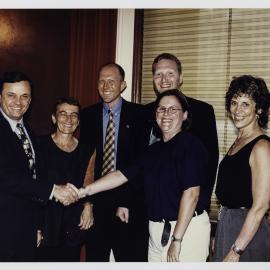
(92, 44)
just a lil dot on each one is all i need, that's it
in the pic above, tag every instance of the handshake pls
(68, 194)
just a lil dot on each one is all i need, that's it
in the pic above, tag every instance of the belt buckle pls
(166, 233)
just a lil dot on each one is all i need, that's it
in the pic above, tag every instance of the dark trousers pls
(17, 255)
(139, 235)
(128, 243)
(105, 235)
(58, 254)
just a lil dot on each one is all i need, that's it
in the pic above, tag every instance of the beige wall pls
(124, 46)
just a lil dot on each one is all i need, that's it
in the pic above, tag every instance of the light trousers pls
(195, 244)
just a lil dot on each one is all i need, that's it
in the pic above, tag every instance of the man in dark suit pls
(167, 74)
(120, 220)
(20, 190)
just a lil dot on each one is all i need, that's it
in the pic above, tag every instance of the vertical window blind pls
(214, 45)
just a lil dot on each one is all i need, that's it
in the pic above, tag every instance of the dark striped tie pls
(27, 148)
(108, 150)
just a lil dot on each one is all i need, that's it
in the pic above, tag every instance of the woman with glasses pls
(243, 183)
(63, 159)
(173, 171)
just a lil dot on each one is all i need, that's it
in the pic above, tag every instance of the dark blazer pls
(204, 126)
(19, 195)
(131, 141)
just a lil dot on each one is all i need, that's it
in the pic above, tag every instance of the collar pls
(12, 123)
(116, 109)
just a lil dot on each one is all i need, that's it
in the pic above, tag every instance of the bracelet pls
(236, 249)
(174, 239)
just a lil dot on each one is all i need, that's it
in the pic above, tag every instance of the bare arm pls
(187, 207)
(260, 169)
(107, 182)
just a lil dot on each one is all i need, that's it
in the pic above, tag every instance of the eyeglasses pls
(170, 110)
(64, 115)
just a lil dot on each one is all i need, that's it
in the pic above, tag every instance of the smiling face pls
(166, 76)
(243, 112)
(15, 99)
(170, 116)
(110, 85)
(66, 118)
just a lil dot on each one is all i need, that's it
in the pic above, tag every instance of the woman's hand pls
(82, 192)
(187, 207)
(231, 257)
(174, 252)
(87, 219)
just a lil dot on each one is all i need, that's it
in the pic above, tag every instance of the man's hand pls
(123, 214)
(66, 194)
(87, 219)
(39, 238)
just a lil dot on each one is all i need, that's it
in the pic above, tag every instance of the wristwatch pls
(174, 239)
(236, 249)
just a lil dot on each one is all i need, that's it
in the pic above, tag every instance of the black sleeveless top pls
(234, 181)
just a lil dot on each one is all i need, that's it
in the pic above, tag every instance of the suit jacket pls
(19, 195)
(203, 125)
(131, 142)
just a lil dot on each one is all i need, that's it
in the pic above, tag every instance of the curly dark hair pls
(256, 89)
(184, 104)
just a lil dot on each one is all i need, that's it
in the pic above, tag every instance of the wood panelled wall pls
(60, 50)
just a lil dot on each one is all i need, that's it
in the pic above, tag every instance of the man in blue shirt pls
(115, 129)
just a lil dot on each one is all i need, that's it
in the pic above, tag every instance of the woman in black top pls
(173, 171)
(62, 160)
(243, 184)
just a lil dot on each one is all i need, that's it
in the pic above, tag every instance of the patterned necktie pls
(27, 148)
(108, 150)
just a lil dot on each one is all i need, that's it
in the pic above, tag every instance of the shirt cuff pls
(51, 196)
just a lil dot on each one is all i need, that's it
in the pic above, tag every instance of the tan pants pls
(195, 244)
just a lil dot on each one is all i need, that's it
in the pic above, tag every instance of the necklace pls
(243, 140)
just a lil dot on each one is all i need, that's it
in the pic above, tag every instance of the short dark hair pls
(68, 100)
(182, 100)
(255, 88)
(13, 77)
(119, 68)
(167, 56)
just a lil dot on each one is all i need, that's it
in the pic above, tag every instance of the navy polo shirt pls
(168, 169)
